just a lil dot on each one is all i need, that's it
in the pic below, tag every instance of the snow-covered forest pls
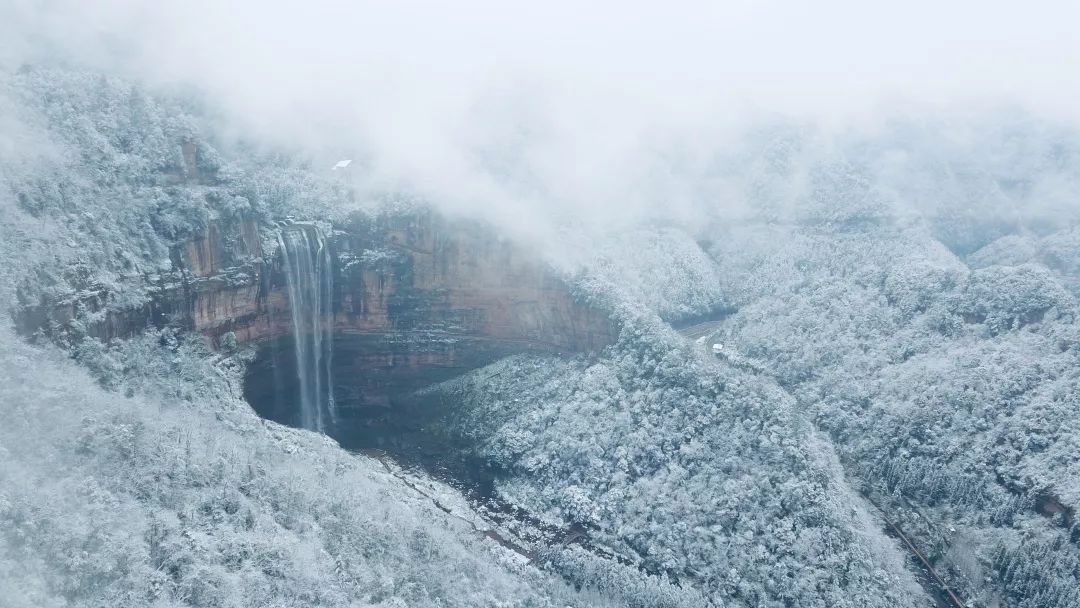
(890, 415)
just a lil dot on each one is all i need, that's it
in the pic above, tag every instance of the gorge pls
(234, 375)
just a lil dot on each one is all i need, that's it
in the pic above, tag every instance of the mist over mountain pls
(741, 304)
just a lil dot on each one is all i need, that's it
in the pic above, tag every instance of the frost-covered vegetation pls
(903, 323)
(696, 469)
(663, 270)
(950, 387)
(176, 494)
(113, 176)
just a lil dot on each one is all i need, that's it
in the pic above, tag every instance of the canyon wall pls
(416, 299)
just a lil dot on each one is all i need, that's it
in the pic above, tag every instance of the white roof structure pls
(341, 164)
(717, 348)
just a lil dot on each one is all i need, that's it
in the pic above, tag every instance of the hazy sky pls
(766, 51)
(514, 106)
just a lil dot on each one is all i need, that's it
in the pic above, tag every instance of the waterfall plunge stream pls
(309, 280)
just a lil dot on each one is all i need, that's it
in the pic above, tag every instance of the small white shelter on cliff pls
(342, 164)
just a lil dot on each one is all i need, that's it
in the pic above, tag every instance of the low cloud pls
(525, 112)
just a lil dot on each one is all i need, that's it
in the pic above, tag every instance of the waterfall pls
(309, 280)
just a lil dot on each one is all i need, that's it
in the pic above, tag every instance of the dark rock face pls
(416, 299)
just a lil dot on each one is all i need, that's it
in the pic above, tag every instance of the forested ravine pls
(702, 332)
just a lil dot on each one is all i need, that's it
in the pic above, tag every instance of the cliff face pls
(416, 299)
(416, 275)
